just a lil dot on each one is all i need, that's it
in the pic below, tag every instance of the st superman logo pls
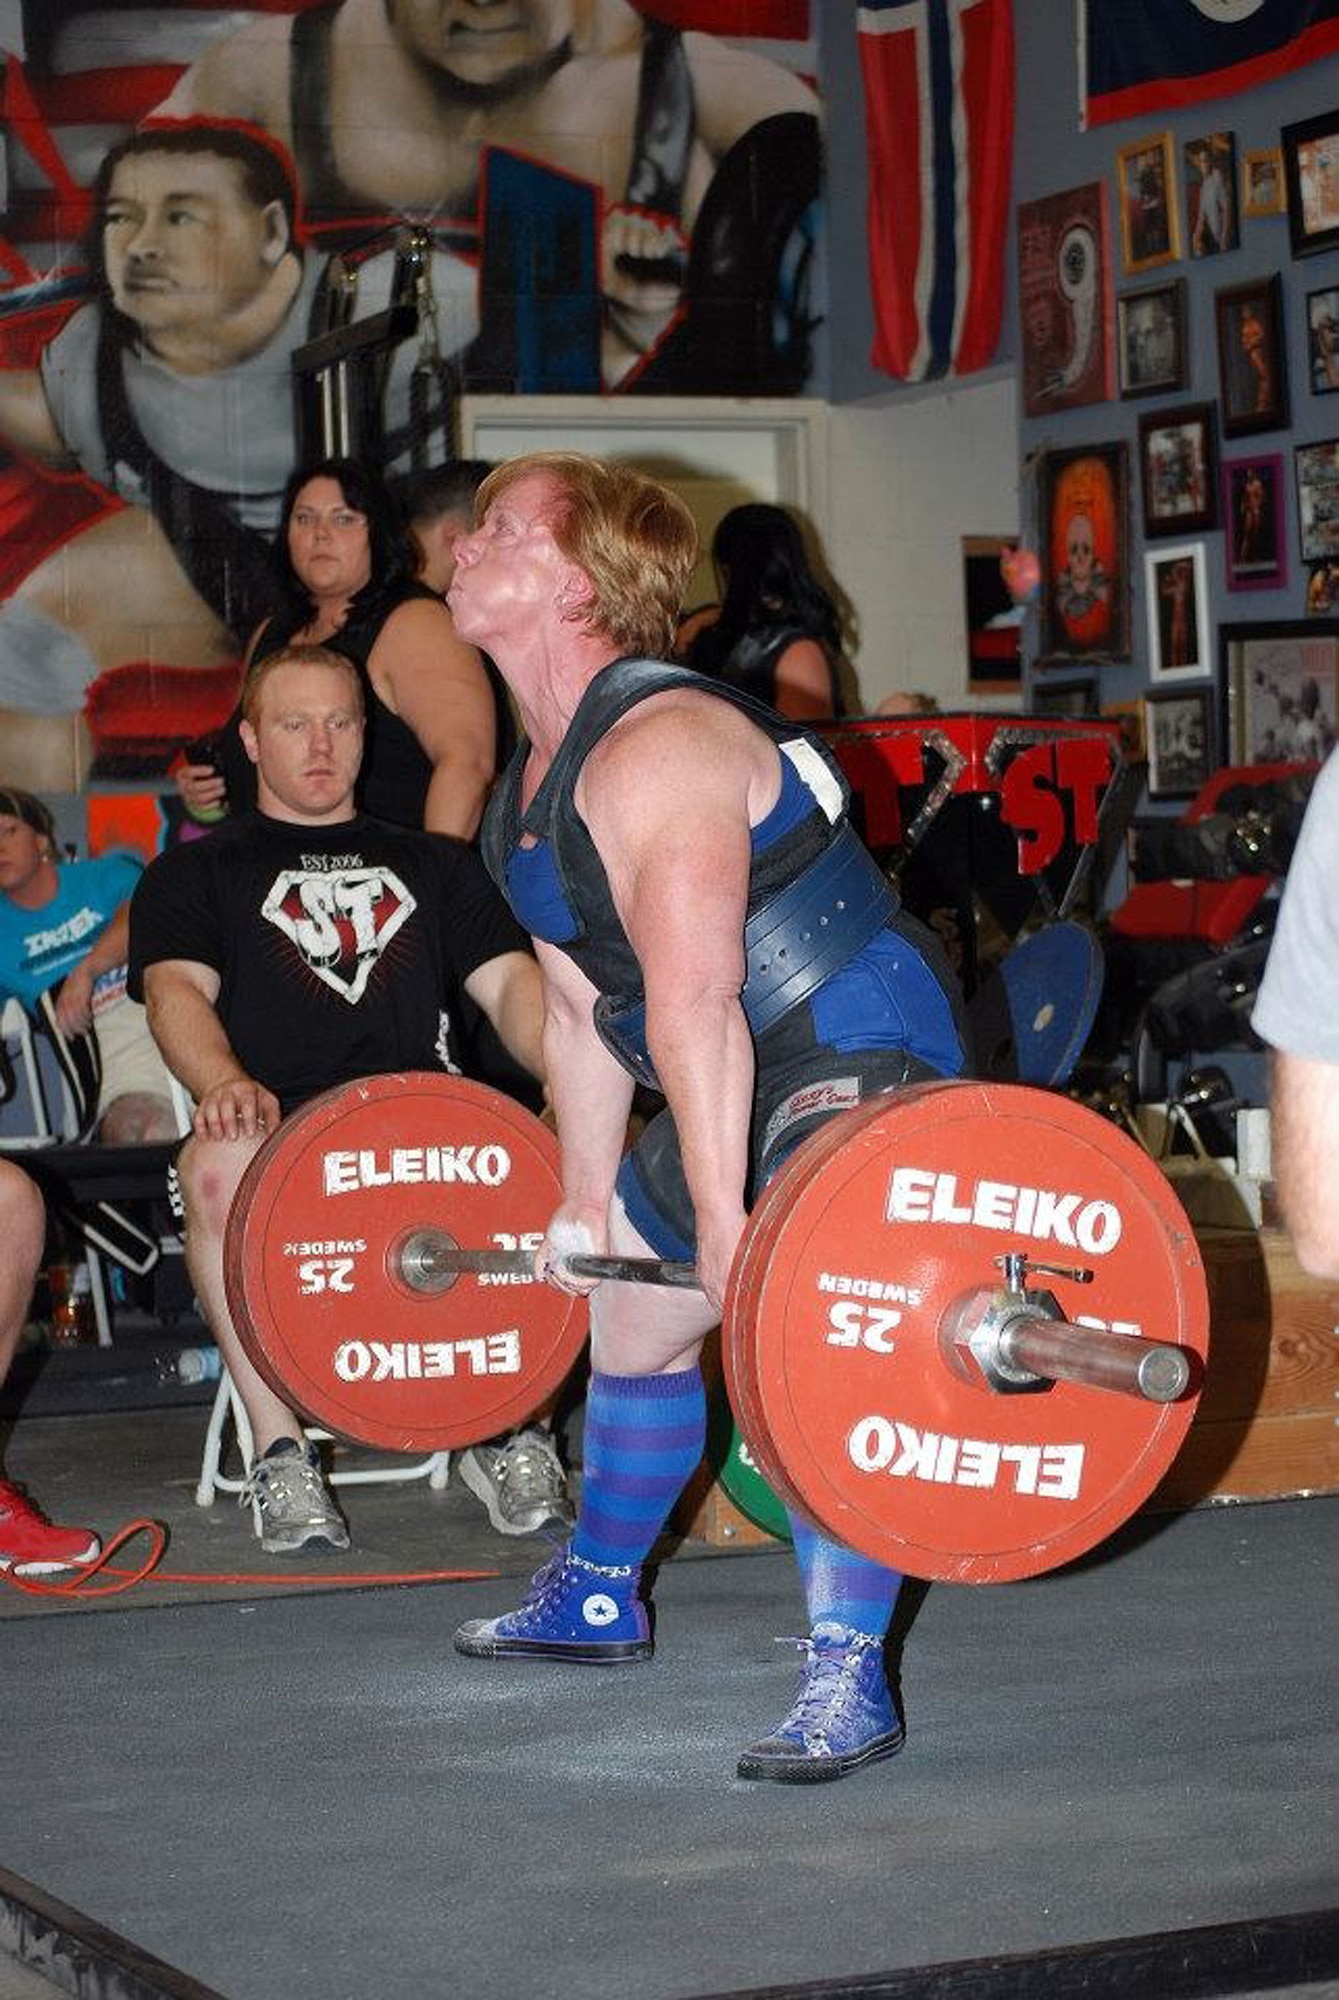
(340, 923)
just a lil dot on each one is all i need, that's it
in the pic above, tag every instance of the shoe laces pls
(529, 1465)
(278, 1479)
(830, 1692)
(561, 1567)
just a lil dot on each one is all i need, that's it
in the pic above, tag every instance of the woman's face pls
(328, 541)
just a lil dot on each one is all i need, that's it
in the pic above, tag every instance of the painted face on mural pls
(483, 44)
(328, 542)
(183, 244)
(510, 569)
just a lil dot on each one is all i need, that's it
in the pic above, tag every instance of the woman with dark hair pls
(344, 578)
(776, 632)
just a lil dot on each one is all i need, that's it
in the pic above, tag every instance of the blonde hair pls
(296, 656)
(634, 538)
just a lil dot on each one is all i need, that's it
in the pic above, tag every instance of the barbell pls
(897, 1369)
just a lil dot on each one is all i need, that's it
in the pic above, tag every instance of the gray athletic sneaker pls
(521, 1482)
(294, 1504)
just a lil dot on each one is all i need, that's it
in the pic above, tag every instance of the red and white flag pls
(939, 113)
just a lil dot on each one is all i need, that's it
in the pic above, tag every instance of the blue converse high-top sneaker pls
(574, 1610)
(842, 1716)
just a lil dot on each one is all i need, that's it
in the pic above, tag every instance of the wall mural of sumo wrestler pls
(602, 198)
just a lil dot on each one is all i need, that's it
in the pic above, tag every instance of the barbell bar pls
(1014, 1345)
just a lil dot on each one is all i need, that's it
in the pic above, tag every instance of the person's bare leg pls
(209, 1171)
(139, 1118)
(29, 1544)
(23, 1232)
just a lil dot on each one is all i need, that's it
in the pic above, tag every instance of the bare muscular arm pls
(1304, 1119)
(669, 799)
(245, 75)
(26, 422)
(179, 997)
(437, 685)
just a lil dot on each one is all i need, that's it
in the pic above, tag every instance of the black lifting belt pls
(799, 938)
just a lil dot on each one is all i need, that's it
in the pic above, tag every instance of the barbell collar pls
(1095, 1358)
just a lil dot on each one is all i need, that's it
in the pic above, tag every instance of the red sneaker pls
(31, 1546)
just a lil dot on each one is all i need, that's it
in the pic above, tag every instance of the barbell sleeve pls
(1095, 1357)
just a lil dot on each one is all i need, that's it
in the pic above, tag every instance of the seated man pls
(64, 933)
(257, 1004)
(29, 1544)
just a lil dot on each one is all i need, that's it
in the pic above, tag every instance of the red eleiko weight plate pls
(312, 1280)
(877, 1224)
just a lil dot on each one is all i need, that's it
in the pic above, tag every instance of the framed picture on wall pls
(1178, 466)
(1311, 177)
(1149, 224)
(1064, 300)
(1210, 168)
(1322, 335)
(1254, 542)
(1151, 339)
(1085, 552)
(1064, 694)
(1318, 500)
(1322, 590)
(1278, 690)
(1178, 728)
(994, 621)
(1177, 600)
(1252, 365)
(1262, 181)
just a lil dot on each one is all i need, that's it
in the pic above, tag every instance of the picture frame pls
(1065, 694)
(1278, 686)
(1133, 732)
(1179, 727)
(1262, 190)
(1252, 362)
(1322, 590)
(1209, 173)
(1085, 553)
(1176, 597)
(1178, 468)
(1255, 544)
(994, 621)
(1151, 340)
(1149, 216)
(1311, 181)
(1322, 337)
(1065, 300)
(1318, 500)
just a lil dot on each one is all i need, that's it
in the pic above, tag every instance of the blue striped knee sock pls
(842, 1586)
(644, 1436)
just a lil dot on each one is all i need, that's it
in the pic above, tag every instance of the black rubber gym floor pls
(313, 1797)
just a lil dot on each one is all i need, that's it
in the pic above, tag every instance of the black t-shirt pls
(341, 950)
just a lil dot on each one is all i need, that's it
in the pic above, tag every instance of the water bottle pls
(191, 1365)
(71, 1306)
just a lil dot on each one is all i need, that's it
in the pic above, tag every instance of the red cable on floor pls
(78, 1584)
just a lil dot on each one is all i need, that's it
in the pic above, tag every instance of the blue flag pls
(1136, 58)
